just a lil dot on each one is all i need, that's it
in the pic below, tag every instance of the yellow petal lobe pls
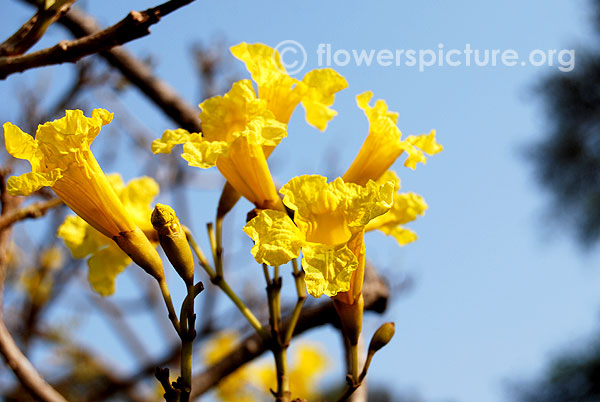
(276, 239)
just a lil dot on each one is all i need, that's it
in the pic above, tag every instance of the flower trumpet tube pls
(106, 260)
(61, 158)
(384, 144)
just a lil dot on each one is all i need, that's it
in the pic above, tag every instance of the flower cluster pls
(322, 221)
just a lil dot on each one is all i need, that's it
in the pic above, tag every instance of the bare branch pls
(134, 26)
(17, 361)
(138, 73)
(34, 29)
(376, 294)
(23, 369)
(35, 210)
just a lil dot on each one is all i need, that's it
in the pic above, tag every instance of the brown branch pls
(376, 295)
(18, 363)
(34, 29)
(135, 25)
(138, 73)
(23, 369)
(158, 91)
(35, 210)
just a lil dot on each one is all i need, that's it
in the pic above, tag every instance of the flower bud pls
(381, 337)
(137, 246)
(173, 241)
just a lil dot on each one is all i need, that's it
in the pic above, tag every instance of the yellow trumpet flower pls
(61, 158)
(329, 224)
(384, 144)
(236, 129)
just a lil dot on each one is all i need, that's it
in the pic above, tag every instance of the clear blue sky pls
(499, 287)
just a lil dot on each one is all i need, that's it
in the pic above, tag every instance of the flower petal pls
(277, 239)
(104, 266)
(418, 145)
(137, 198)
(425, 142)
(322, 86)
(71, 133)
(19, 144)
(368, 202)
(262, 61)
(402, 235)
(80, 237)
(28, 183)
(203, 154)
(169, 139)
(328, 268)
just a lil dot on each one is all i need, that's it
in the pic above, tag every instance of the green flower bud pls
(381, 337)
(173, 241)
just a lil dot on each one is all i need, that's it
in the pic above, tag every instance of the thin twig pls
(33, 30)
(137, 72)
(24, 370)
(135, 25)
(15, 359)
(35, 210)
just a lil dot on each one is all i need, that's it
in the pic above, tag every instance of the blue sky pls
(499, 286)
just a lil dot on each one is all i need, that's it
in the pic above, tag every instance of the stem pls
(241, 306)
(222, 284)
(164, 290)
(352, 379)
(188, 334)
(267, 275)
(283, 382)
(354, 357)
(278, 347)
(301, 292)
(219, 246)
(363, 374)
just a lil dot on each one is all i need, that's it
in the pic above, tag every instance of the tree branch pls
(158, 91)
(34, 29)
(134, 26)
(18, 363)
(25, 372)
(35, 210)
(376, 295)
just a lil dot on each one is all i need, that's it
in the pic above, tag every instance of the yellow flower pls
(329, 223)
(237, 385)
(283, 93)
(236, 130)
(37, 281)
(60, 157)
(107, 260)
(384, 145)
(252, 382)
(406, 208)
